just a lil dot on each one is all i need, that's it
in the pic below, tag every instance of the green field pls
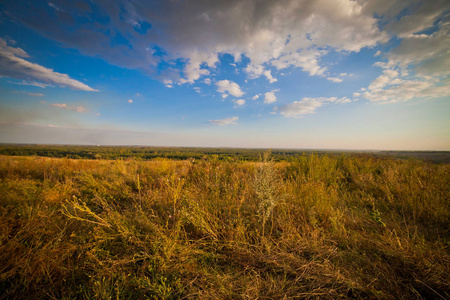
(221, 225)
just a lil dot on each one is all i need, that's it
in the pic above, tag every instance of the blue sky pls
(325, 74)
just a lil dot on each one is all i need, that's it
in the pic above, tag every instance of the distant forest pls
(182, 153)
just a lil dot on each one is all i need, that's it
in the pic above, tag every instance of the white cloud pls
(194, 68)
(279, 34)
(334, 79)
(14, 66)
(382, 80)
(407, 89)
(419, 67)
(240, 102)
(269, 77)
(305, 106)
(298, 108)
(255, 97)
(227, 121)
(305, 59)
(130, 101)
(270, 97)
(254, 71)
(230, 87)
(268, 33)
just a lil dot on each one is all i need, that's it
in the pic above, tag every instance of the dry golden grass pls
(319, 227)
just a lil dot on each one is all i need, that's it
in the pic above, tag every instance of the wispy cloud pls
(79, 109)
(305, 106)
(30, 94)
(13, 65)
(31, 83)
(334, 79)
(223, 122)
(35, 94)
(54, 6)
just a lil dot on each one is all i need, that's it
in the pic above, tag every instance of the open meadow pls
(312, 227)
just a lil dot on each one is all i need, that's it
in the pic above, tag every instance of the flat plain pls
(220, 226)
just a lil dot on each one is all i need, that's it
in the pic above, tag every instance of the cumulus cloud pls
(186, 38)
(255, 97)
(269, 33)
(13, 65)
(240, 102)
(270, 97)
(269, 77)
(223, 122)
(382, 80)
(230, 87)
(305, 106)
(407, 89)
(419, 67)
(307, 60)
(298, 108)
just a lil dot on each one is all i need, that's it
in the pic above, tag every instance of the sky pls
(324, 74)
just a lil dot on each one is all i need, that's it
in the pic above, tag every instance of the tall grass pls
(319, 227)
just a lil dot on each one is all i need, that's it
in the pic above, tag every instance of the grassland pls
(182, 153)
(311, 227)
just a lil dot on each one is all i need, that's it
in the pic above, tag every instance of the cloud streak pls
(227, 121)
(79, 109)
(297, 109)
(13, 65)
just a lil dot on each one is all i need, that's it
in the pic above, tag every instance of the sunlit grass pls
(325, 227)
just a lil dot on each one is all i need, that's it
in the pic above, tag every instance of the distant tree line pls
(146, 153)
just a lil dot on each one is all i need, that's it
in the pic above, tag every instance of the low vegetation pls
(313, 227)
